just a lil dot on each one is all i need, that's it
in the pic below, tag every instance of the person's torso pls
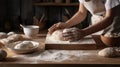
(98, 10)
(95, 7)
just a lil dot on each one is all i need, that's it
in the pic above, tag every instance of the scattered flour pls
(86, 40)
(55, 56)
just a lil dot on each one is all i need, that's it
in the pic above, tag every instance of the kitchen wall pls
(57, 13)
(53, 14)
(15, 12)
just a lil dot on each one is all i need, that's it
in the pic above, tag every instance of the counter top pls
(58, 56)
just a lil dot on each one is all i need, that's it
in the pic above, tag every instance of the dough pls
(14, 38)
(11, 33)
(3, 35)
(4, 41)
(11, 39)
(24, 45)
(108, 52)
(57, 35)
(1, 44)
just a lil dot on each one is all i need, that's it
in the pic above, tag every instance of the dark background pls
(15, 12)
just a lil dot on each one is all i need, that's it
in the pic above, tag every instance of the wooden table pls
(90, 59)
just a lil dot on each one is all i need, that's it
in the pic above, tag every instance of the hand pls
(57, 26)
(73, 34)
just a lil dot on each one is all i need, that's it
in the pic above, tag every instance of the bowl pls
(23, 51)
(31, 31)
(110, 41)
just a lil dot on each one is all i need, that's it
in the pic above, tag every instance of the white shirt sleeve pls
(111, 4)
(81, 1)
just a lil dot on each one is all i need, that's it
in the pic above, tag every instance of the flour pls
(114, 35)
(86, 40)
(55, 56)
(57, 35)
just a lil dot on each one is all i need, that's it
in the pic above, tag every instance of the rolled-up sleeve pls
(81, 1)
(111, 4)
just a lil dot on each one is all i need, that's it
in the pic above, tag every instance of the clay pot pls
(40, 23)
(41, 26)
(110, 41)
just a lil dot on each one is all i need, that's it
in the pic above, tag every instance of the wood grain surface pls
(88, 43)
(93, 58)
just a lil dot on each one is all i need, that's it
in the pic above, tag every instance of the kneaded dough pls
(11, 39)
(14, 38)
(3, 35)
(11, 33)
(4, 41)
(57, 35)
(107, 52)
(24, 45)
(1, 44)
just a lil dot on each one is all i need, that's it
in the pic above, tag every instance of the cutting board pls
(87, 43)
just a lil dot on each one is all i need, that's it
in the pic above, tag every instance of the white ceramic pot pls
(31, 31)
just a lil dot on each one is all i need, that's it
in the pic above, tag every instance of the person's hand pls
(57, 26)
(73, 34)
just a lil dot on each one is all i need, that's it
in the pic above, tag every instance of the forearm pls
(107, 21)
(99, 26)
(76, 19)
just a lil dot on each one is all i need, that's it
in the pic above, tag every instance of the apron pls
(97, 9)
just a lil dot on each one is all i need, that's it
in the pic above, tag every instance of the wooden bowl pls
(110, 41)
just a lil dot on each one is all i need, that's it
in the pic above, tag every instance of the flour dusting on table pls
(86, 40)
(55, 56)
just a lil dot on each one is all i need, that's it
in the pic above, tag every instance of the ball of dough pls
(4, 41)
(1, 44)
(3, 35)
(24, 45)
(107, 52)
(3, 54)
(57, 35)
(11, 33)
(14, 38)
